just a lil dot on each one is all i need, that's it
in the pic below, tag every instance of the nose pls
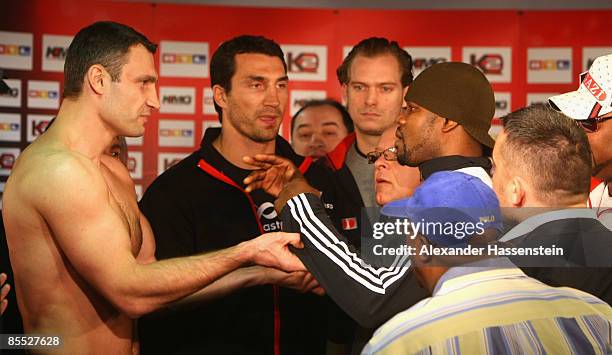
(152, 99)
(371, 97)
(271, 96)
(402, 120)
(381, 163)
(316, 142)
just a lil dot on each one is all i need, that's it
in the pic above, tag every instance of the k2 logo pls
(303, 62)
(488, 63)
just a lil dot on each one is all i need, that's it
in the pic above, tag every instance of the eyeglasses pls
(390, 154)
(592, 124)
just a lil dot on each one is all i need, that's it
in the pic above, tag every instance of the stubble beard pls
(246, 126)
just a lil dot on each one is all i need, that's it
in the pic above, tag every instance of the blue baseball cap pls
(446, 204)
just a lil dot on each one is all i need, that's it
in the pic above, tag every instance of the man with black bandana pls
(446, 124)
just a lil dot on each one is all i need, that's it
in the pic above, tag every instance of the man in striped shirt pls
(483, 305)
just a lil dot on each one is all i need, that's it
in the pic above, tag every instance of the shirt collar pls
(533, 222)
(452, 162)
(472, 268)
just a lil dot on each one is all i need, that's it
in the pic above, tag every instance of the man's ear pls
(98, 79)
(423, 259)
(516, 190)
(344, 92)
(448, 125)
(220, 96)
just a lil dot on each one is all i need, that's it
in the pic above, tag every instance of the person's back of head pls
(550, 152)
(106, 43)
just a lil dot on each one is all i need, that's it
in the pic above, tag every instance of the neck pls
(76, 117)
(233, 146)
(534, 208)
(429, 276)
(365, 142)
(460, 143)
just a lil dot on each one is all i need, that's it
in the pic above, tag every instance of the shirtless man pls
(83, 255)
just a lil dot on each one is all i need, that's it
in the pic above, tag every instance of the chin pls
(139, 132)
(383, 198)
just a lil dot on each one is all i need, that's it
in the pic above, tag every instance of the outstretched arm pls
(93, 236)
(302, 281)
(368, 294)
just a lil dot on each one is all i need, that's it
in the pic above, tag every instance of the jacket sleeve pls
(369, 295)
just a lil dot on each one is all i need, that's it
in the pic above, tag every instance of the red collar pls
(337, 156)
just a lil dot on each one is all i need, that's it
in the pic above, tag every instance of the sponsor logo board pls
(8, 156)
(177, 99)
(176, 133)
(300, 97)
(184, 59)
(502, 103)
(424, 57)
(549, 65)
(134, 164)
(16, 50)
(54, 50)
(305, 62)
(13, 97)
(494, 62)
(166, 160)
(10, 127)
(43, 94)
(37, 125)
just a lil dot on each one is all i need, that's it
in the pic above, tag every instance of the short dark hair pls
(223, 62)
(346, 117)
(552, 149)
(374, 47)
(105, 43)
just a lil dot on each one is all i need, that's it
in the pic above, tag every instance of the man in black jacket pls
(201, 204)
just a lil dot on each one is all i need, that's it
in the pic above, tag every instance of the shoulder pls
(57, 167)
(55, 179)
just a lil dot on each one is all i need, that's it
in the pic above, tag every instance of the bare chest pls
(123, 201)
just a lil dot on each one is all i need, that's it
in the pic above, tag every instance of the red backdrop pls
(519, 31)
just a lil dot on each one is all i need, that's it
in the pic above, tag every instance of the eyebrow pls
(255, 78)
(376, 84)
(147, 78)
(302, 125)
(331, 124)
(261, 78)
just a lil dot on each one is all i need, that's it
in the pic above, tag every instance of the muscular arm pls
(369, 295)
(95, 240)
(247, 277)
